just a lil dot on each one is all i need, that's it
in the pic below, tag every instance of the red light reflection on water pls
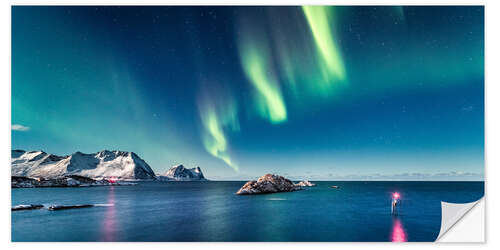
(109, 227)
(398, 232)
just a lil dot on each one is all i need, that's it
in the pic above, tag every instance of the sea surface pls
(210, 211)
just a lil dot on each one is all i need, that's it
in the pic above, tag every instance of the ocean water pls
(210, 211)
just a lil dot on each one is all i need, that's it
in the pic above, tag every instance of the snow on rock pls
(305, 183)
(268, 183)
(103, 164)
(180, 173)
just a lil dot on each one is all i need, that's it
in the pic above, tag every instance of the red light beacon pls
(112, 179)
(395, 203)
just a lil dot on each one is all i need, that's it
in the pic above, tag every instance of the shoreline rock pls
(26, 207)
(268, 183)
(62, 207)
(305, 183)
(67, 181)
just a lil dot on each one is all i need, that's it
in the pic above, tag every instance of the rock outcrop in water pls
(305, 183)
(180, 173)
(268, 183)
(26, 207)
(103, 164)
(62, 207)
(67, 181)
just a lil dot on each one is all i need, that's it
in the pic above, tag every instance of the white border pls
(492, 122)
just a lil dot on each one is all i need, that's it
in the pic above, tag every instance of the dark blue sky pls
(307, 92)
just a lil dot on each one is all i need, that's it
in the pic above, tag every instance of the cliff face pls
(180, 173)
(268, 183)
(117, 164)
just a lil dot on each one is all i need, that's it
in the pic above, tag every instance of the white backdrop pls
(468, 228)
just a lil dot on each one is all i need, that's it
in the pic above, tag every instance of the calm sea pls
(210, 211)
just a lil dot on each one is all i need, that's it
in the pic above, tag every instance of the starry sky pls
(316, 92)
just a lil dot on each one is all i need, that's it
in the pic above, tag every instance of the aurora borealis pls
(317, 92)
(319, 22)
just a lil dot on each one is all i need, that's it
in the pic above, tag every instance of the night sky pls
(306, 92)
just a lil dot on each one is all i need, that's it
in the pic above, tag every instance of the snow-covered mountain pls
(119, 164)
(180, 173)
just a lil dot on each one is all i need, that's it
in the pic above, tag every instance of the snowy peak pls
(17, 152)
(27, 156)
(180, 173)
(119, 164)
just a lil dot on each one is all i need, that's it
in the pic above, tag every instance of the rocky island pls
(269, 183)
(305, 183)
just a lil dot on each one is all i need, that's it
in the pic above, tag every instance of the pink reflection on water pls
(108, 226)
(398, 232)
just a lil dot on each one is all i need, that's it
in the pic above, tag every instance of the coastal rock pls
(180, 173)
(67, 181)
(104, 164)
(305, 183)
(26, 207)
(62, 207)
(268, 183)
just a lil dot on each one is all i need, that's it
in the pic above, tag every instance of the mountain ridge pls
(102, 164)
(181, 173)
